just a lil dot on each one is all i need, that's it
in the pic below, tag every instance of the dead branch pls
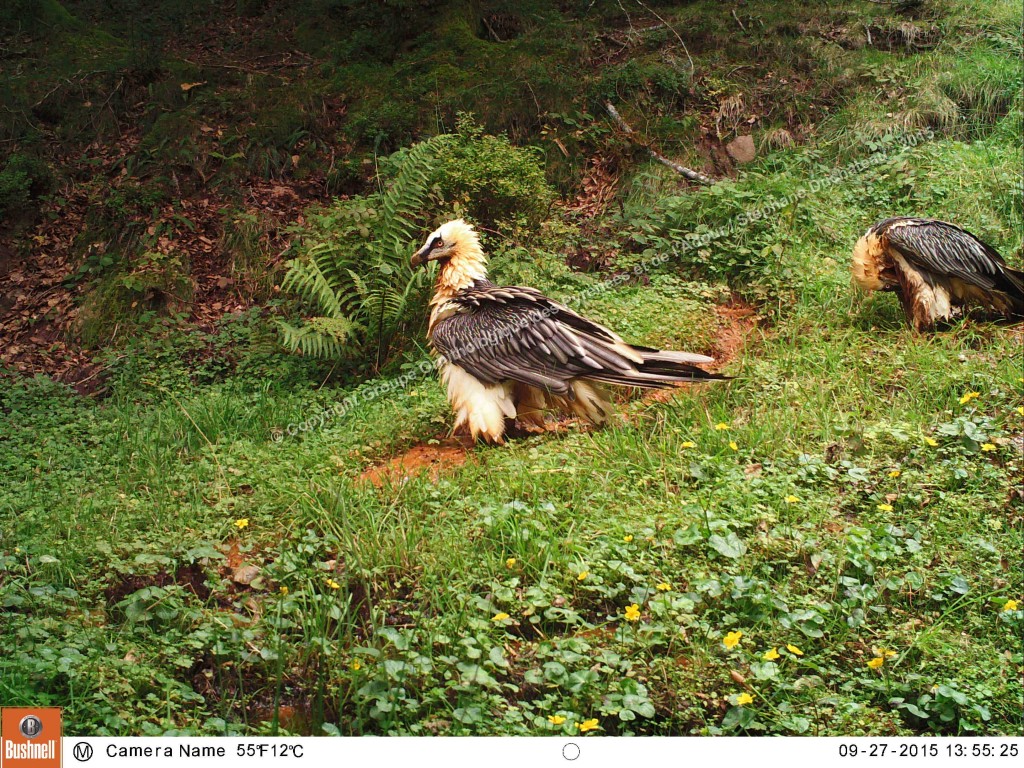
(76, 79)
(673, 30)
(680, 169)
(490, 29)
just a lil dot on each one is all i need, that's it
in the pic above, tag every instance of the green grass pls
(853, 502)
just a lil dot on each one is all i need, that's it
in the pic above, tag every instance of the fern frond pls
(354, 269)
(310, 342)
(403, 198)
(306, 278)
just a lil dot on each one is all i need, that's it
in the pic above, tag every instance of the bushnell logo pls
(30, 737)
(30, 726)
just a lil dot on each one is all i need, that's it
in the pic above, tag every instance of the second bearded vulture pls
(509, 352)
(935, 266)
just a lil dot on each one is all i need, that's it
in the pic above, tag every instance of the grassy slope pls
(387, 624)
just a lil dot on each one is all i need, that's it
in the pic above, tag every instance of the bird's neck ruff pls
(869, 262)
(466, 265)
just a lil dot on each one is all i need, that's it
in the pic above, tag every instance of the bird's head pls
(451, 241)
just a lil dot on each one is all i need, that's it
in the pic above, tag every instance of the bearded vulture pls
(509, 352)
(935, 266)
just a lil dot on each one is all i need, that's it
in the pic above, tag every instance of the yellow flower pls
(894, 473)
(356, 666)
(664, 587)
(688, 444)
(968, 396)
(242, 522)
(885, 653)
(333, 584)
(791, 499)
(1010, 605)
(510, 562)
(733, 445)
(556, 719)
(627, 538)
(500, 616)
(582, 575)
(633, 612)
(744, 698)
(794, 650)
(732, 639)
(283, 590)
(1020, 410)
(884, 507)
(876, 662)
(771, 654)
(988, 447)
(721, 426)
(931, 441)
(589, 725)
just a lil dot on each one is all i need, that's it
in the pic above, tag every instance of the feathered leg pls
(481, 407)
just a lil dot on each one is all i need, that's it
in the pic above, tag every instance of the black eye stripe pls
(437, 242)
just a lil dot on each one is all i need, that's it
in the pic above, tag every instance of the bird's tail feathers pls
(661, 369)
(1016, 279)
(671, 356)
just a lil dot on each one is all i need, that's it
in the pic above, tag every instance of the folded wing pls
(939, 249)
(515, 333)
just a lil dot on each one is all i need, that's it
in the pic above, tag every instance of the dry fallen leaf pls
(244, 574)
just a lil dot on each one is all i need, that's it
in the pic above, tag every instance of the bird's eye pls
(438, 242)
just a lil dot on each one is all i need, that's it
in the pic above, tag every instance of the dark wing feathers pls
(484, 290)
(943, 249)
(515, 333)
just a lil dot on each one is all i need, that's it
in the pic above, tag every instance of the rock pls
(741, 149)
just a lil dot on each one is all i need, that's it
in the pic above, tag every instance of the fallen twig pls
(490, 29)
(680, 169)
(99, 370)
(673, 30)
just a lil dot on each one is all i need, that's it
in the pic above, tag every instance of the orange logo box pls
(30, 737)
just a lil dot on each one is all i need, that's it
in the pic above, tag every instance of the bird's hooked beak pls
(435, 248)
(420, 257)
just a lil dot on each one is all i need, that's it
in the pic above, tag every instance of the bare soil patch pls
(432, 458)
(738, 320)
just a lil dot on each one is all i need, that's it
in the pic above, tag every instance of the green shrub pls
(247, 240)
(353, 268)
(382, 124)
(116, 220)
(348, 177)
(157, 284)
(661, 82)
(496, 183)
(731, 233)
(32, 15)
(23, 178)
